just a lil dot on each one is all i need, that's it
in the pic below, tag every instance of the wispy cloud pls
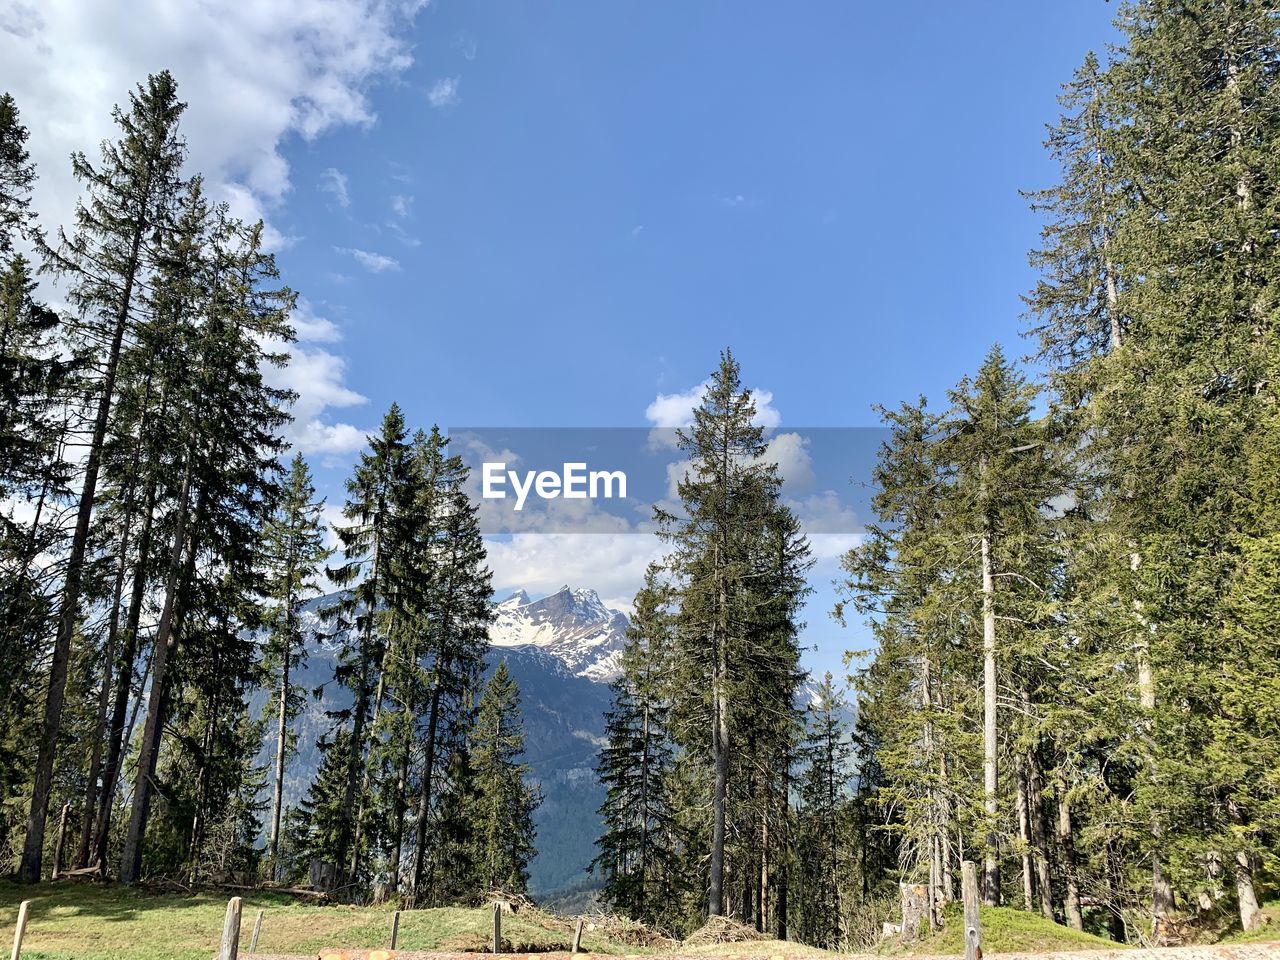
(401, 205)
(466, 43)
(334, 182)
(734, 200)
(443, 93)
(373, 262)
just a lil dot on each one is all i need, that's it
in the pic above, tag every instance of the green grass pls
(1269, 929)
(112, 922)
(1004, 930)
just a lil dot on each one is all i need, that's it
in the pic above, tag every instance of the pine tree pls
(823, 846)
(127, 212)
(228, 420)
(17, 176)
(724, 497)
(504, 802)
(1003, 486)
(322, 822)
(294, 551)
(448, 615)
(377, 493)
(637, 859)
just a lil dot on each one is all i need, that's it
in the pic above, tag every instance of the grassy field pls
(112, 922)
(1004, 930)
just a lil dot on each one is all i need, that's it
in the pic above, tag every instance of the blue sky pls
(554, 214)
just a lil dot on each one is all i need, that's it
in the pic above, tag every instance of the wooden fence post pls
(395, 928)
(972, 908)
(577, 936)
(257, 929)
(23, 911)
(497, 927)
(230, 948)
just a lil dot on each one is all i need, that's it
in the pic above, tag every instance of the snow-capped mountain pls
(573, 626)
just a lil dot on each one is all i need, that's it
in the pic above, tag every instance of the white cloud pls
(311, 327)
(443, 93)
(466, 43)
(253, 75)
(670, 411)
(373, 262)
(790, 451)
(611, 564)
(401, 205)
(334, 182)
(317, 375)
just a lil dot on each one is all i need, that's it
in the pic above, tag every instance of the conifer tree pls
(377, 493)
(229, 421)
(725, 498)
(637, 859)
(127, 211)
(448, 614)
(504, 802)
(294, 552)
(823, 847)
(17, 177)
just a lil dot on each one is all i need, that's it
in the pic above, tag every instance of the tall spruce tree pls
(294, 551)
(823, 847)
(228, 420)
(449, 616)
(372, 544)
(637, 859)
(126, 214)
(504, 802)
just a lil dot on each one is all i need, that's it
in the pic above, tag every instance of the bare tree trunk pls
(1161, 890)
(116, 737)
(1024, 835)
(69, 612)
(1246, 895)
(1039, 832)
(401, 805)
(282, 732)
(990, 783)
(1067, 848)
(785, 843)
(719, 746)
(424, 797)
(149, 749)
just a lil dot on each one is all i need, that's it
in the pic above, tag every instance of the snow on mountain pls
(573, 626)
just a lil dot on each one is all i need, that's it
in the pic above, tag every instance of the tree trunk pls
(991, 861)
(282, 732)
(1039, 835)
(69, 613)
(719, 746)
(1246, 895)
(1067, 853)
(152, 730)
(116, 737)
(1024, 835)
(424, 797)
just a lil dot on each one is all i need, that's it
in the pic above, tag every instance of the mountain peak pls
(572, 625)
(517, 599)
